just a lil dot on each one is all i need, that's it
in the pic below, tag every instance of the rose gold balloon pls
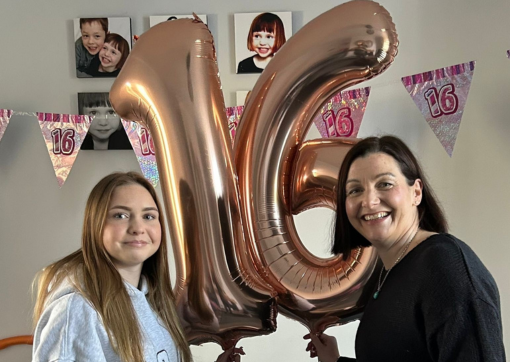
(316, 166)
(170, 84)
(342, 47)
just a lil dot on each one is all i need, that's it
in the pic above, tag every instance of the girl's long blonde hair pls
(92, 272)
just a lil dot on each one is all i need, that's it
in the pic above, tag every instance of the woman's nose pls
(370, 198)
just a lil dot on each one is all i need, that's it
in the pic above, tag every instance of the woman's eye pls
(385, 185)
(150, 217)
(120, 215)
(352, 192)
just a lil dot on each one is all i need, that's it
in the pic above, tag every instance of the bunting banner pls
(63, 134)
(342, 115)
(234, 116)
(441, 96)
(143, 145)
(5, 116)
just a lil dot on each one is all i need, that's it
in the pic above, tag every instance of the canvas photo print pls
(258, 37)
(106, 131)
(102, 46)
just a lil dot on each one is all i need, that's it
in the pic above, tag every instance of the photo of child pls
(93, 34)
(112, 57)
(99, 42)
(266, 35)
(156, 19)
(106, 131)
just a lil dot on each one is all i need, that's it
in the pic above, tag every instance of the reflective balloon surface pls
(347, 45)
(170, 85)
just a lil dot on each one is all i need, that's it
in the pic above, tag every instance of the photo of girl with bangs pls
(106, 131)
(266, 36)
(111, 57)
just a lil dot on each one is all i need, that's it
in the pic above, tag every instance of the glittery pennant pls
(233, 116)
(63, 134)
(142, 144)
(5, 116)
(441, 96)
(342, 115)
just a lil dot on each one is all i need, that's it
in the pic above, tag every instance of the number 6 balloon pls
(342, 47)
(235, 243)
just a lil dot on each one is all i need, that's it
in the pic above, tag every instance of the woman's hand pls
(231, 355)
(323, 346)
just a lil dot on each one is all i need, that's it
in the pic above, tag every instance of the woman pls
(434, 299)
(112, 300)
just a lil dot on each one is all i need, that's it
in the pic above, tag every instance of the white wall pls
(37, 74)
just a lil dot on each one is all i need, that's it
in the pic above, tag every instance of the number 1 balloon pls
(170, 85)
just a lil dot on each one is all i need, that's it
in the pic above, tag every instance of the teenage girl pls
(111, 300)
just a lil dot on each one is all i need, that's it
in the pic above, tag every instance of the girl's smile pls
(263, 43)
(109, 57)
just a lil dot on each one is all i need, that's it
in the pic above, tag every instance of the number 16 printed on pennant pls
(342, 115)
(63, 135)
(441, 96)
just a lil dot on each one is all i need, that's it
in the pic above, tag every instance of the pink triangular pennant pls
(5, 116)
(234, 116)
(142, 144)
(343, 114)
(63, 134)
(441, 96)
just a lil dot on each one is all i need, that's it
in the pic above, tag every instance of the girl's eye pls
(112, 112)
(150, 217)
(120, 215)
(92, 113)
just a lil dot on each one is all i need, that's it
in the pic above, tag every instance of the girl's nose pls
(102, 120)
(135, 227)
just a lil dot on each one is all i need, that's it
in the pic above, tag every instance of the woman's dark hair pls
(431, 217)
